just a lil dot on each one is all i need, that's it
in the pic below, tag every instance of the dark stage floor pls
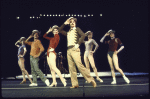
(138, 87)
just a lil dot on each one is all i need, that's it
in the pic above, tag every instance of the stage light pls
(78, 15)
(88, 14)
(17, 17)
(72, 14)
(100, 14)
(69, 15)
(40, 14)
(47, 15)
(75, 15)
(30, 17)
(59, 14)
(33, 16)
(66, 15)
(37, 17)
(44, 15)
(53, 15)
(91, 14)
(84, 15)
(56, 15)
(50, 15)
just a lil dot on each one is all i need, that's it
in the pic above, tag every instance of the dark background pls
(129, 18)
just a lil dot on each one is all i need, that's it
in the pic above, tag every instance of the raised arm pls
(16, 44)
(45, 35)
(27, 40)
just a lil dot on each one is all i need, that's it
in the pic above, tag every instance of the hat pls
(89, 32)
(75, 19)
(22, 39)
(55, 27)
(111, 31)
(35, 31)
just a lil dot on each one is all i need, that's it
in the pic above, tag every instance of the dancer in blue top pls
(21, 52)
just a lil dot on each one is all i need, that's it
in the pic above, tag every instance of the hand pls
(75, 47)
(116, 52)
(30, 36)
(35, 56)
(50, 30)
(92, 52)
(67, 21)
(20, 55)
(107, 34)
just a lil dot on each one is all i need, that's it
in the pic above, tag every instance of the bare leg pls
(91, 59)
(86, 61)
(24, 71)
(112, 68)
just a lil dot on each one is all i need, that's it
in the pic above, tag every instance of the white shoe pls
(113, 82)
(65, 84)
(100, 80)
(47, 82)
(126, 80)
(33, 84)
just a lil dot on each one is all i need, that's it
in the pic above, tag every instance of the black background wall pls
(129, 18)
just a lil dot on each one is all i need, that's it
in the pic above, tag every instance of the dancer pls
(36, 50)
(51, 55)
(112, 54)
(88, 54)
(21, 52)
(74, 38)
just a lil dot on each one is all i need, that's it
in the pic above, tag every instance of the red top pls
(52, 43)
(113, 44)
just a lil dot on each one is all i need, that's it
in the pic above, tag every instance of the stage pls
(138, 87)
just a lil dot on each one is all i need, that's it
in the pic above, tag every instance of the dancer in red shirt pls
(112, 54)
(51, 55)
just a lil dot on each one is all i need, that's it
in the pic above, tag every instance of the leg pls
(72, 69)
(115, 60)
(24, 70)
(52, 71)
(86, 61)
(91, 59)
(34, 75)
(84, 71)
(112, 68)
(24, 79)
(37, 70)
(53, 66)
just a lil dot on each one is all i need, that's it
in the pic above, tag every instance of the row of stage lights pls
(59, 15)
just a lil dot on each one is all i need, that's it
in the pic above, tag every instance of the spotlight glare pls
(78, 15)
(50, 15)
(100, 14)
(53, 15)
(37, 17)
(47, 15)
(30, 17)
(75, 15)
(66, 15)
(33, 16)
(44, 15)
(91, 14)
(88, 14)
(18, 17)
(56, 14)
(40, 14)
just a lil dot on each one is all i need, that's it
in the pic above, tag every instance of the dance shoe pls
(113, 82)
(65, 84)
(24, 81)
(126, 80)
(33, 84)
(77, 86)
(100, 80)
(47, 82)
(53, 84)
(93, 83)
